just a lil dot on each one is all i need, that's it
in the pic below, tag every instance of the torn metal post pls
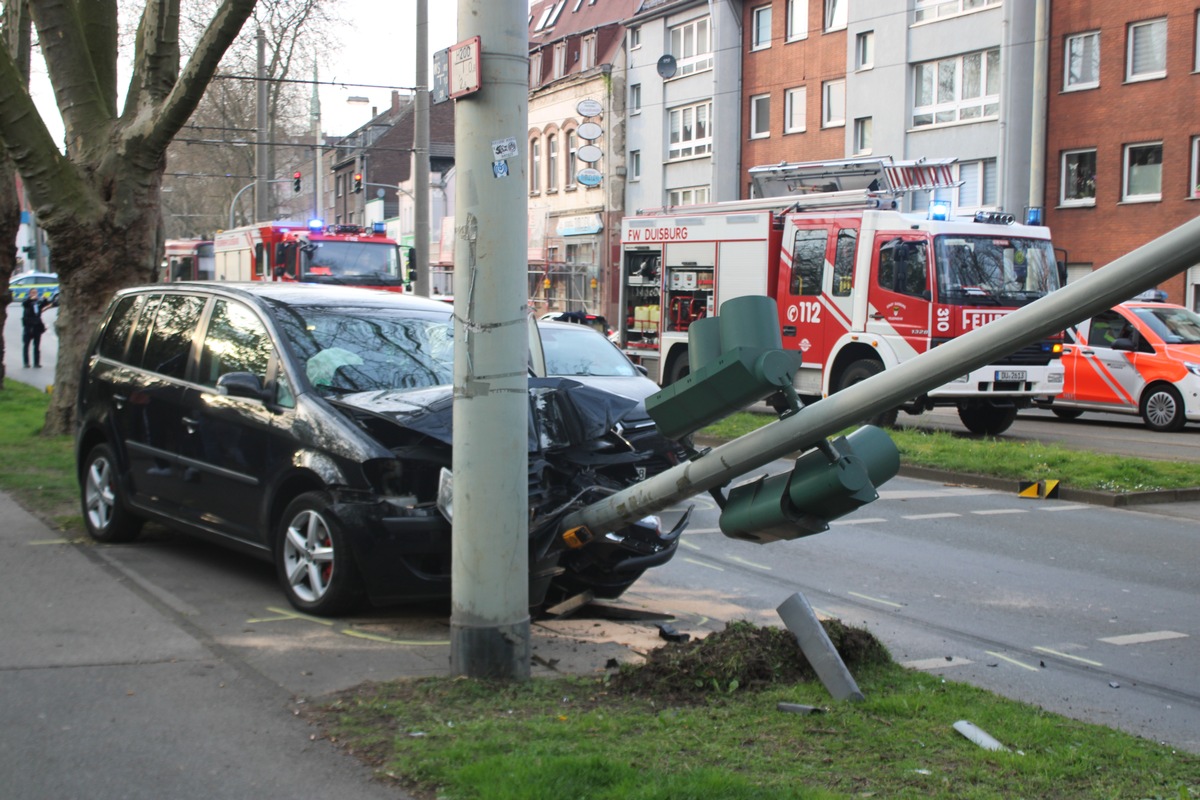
(802, 621)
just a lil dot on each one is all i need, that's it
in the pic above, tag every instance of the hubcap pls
(1160, 408)
(98, 494)
(308, 556)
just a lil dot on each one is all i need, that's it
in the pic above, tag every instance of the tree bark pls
(99, 202)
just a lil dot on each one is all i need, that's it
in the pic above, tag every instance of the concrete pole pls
(489, 619)
(1037, 128)
(421, 187)
(262, 189)
(318, 183)
(1120, 280)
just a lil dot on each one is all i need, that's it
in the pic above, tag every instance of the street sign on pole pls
(464, 68)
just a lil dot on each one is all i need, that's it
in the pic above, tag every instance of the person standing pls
(32, 327)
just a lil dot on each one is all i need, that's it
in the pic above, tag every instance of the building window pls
(587, 52)
(572, 157)
(552, 163)
(535, 164)
(794, 102)
(960, 89)
(635, 38)
(1194, 187)
(978, 189)
(690, 131)
(1082, 61)
(635, 165)
(928, 10)
(340, 185)
(833, 103)
(1143, 173)
(835, 14)
(1147, 55)
(862, 136)
(1196, 63)
(760, 28)
(635, 98)
(797, 20)
(1078, 178)
(760, 116)
(691, 44)
(535, 69)
(690, 196)
(864, 50)
(560, 59)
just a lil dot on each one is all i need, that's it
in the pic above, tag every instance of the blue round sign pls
(589, 177)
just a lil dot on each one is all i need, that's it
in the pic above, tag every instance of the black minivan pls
(309, 425)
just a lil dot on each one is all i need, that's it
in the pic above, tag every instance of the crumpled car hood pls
(563, 413)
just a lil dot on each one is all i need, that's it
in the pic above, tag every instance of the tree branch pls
(85, 114)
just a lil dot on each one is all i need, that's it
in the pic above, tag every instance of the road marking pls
(942, 515)
(987, 512)
(288, 615)
(1062, 508)
(937, 663)
(50, 541)
(689, 545)
(692, 530)
(875, 599)
(1066, 655)
(1143, 638)
(704, 564)
(749, 563)
(864, 521)
(1003, 657)
(374, 637)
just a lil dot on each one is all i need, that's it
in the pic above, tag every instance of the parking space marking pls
(1068, 656)
(1003, 657)
(749, 563)
(374, 637)
(926, 664)
(988, 512)
(689, 545)
(1076, 507)
(1143, 638)
(704, 564)
(285, 615)
(875, 599)
(864, 521)
(942, 515)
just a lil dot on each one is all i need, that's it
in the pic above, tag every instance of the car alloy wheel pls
(314, 565)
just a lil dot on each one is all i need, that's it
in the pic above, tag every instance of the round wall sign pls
(590, 131)
(590, 153)
(589, 107)
(589, 177)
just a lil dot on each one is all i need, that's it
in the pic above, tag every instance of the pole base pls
(492, 652)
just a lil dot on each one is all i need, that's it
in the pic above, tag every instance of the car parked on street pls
(1140, 358)
(45, 282)
(309, 425)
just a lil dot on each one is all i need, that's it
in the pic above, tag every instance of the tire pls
(679, 369)
(987, 420)
(1162, 409)
(105, 512)
(859, 371)
(1066, 413)
(313, 560)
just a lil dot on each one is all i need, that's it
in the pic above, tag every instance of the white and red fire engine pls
(187, 260)
(859, 285)
(348, 255)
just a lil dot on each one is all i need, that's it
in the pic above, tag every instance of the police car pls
(45, 282)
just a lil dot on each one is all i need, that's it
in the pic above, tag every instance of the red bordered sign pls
(464, 67)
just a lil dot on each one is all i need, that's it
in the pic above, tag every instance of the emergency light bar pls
(995, 218)
(315, 224)
(939, 210)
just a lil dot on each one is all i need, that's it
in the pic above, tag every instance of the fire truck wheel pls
(859, 371)
(679, 369)
(987, 420)
(1162, 409)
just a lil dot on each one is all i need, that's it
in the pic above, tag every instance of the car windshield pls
(369, 349)
(994, 270)
(1173, 325)
(350, 260)
(580, 350)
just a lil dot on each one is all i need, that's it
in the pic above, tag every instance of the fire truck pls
(187, 260)
(860, 286)
(348, 255)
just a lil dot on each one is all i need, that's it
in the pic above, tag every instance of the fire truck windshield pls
(358, 263)
(994, 270)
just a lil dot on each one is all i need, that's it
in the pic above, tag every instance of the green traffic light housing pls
(827, 482)
(736, 358)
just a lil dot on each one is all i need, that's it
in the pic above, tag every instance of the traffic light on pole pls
(358, 182)
(296, 181)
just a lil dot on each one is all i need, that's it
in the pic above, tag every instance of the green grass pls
(1005, 458)
(575, 737)
(38, 470)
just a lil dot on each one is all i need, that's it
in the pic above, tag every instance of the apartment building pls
(1122, 160)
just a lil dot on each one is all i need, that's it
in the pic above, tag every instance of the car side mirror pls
(242, 384)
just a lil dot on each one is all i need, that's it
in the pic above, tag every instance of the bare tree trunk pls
(15, 31)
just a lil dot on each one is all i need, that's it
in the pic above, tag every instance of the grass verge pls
(39, 470)
(1003, 458)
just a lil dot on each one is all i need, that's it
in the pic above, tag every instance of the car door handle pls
(119, 400)
(191, 424)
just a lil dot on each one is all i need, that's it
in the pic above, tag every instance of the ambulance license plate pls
(1010, 375)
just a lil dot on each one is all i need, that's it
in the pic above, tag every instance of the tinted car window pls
(113, 344)
(170, 341)
(237, 341)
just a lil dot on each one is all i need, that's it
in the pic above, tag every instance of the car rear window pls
(112, 344)
(170, 341)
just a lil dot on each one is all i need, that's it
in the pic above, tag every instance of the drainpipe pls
(1037, 128)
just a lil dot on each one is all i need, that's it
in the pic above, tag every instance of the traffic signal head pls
(296, 181)
(358, 181)
(827, 482)
(736, 358)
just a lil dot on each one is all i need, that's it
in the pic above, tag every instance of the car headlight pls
(1192, 368)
